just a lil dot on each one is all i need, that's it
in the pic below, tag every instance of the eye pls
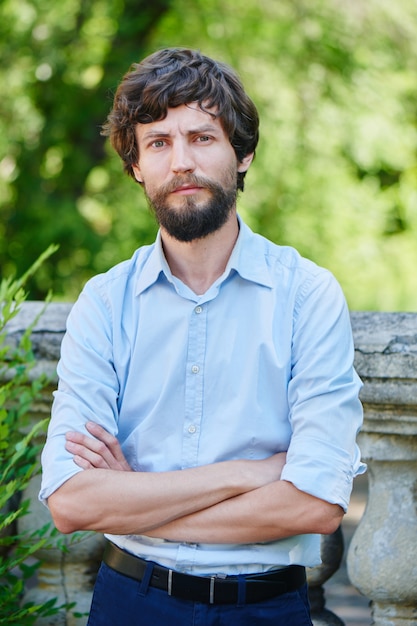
(158, 143)
(203, 138)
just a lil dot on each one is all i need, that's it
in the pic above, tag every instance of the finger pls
(102, 434)
(105, 454)
(78, 460)
(81, 439)
(89, 457)
(89, 443)
(110, 441)
(74, 436)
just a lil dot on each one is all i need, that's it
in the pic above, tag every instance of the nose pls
(182, 157)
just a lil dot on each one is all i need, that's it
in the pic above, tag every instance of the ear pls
(137, 173)
(244, 164)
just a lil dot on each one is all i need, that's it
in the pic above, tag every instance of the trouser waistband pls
(208, 590)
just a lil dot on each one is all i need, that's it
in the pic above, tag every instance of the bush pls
(18, 458)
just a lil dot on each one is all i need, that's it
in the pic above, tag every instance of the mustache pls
(189, 179)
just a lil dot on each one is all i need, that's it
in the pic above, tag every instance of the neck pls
(200, 262)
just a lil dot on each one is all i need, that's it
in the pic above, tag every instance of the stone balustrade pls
(382, 557)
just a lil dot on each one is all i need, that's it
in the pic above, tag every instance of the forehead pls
(184, 119)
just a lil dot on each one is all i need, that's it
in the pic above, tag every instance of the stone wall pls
(382, 559)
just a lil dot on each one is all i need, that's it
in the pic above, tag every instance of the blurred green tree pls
(336, 169)
(60, 63)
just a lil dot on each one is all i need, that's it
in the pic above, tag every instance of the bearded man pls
(207, 407)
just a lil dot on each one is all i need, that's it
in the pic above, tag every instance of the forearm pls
(121, 502)
(275, 511)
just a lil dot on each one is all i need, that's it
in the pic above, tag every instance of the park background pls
(335, 174)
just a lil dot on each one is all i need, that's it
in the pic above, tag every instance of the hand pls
(101, 450)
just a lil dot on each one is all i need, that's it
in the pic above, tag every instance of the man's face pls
(189, 171)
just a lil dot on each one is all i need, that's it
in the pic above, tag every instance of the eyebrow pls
(207, 128)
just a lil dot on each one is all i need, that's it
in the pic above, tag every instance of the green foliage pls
(60, 64)
(336, 169)
(18, 457)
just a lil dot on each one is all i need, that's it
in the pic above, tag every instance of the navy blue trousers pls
(122, 601)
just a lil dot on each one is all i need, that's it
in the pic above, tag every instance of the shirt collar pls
(154, 265)
(247, 259)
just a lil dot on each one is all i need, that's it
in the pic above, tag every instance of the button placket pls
(194, 385)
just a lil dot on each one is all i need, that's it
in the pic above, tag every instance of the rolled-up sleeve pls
(87, 390)
(323, 393)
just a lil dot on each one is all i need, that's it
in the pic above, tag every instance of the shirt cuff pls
(327, 475)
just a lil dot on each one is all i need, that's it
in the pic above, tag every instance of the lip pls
(187, 189)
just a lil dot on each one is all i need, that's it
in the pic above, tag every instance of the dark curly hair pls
(172, 77)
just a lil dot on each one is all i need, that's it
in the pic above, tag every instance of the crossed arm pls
(230, 502)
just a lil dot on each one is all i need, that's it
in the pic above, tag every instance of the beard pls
(194, 220)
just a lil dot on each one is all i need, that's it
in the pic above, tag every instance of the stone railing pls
(382, 557)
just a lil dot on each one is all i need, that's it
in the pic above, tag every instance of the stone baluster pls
(332, 547)
(382, 558)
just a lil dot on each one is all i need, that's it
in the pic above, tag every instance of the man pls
(207, 407)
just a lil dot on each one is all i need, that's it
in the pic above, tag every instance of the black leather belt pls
(204, 589)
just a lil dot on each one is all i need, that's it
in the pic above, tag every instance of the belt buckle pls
(211, 586)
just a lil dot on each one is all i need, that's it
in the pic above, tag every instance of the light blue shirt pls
(260, 363)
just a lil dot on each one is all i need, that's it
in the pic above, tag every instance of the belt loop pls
(144, 583)
(170, 582)
(241, 590)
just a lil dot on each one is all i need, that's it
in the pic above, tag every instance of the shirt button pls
(192, 429)
(198, 309)
(195, 369)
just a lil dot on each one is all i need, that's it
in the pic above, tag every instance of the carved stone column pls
(332, 547)
(382, 558)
